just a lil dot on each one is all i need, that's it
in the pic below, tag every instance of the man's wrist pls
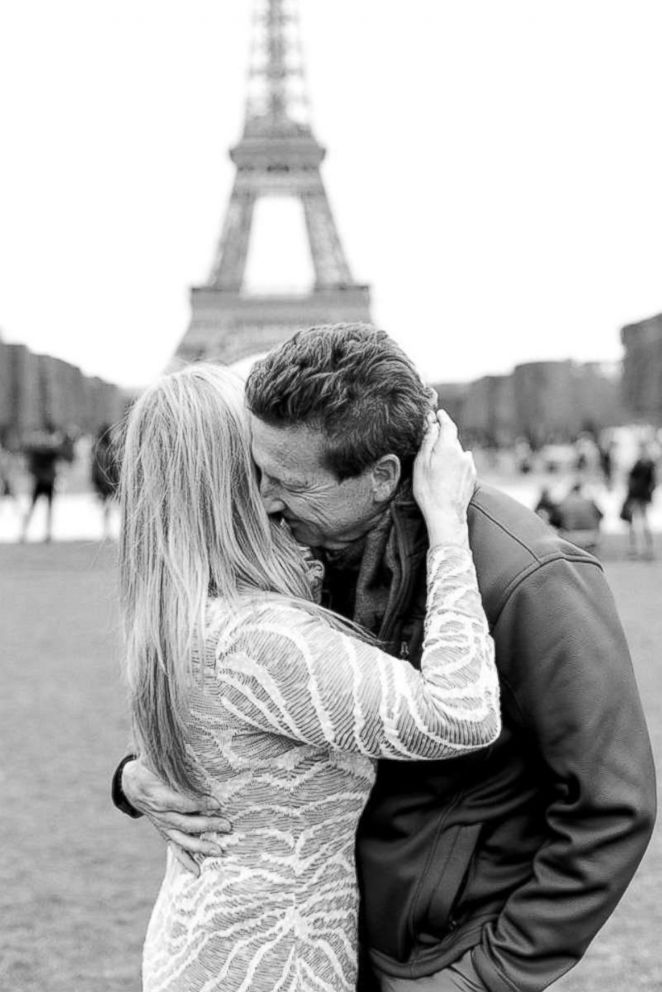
(117, 792)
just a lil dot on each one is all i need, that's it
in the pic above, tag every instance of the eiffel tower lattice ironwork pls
(277, 154)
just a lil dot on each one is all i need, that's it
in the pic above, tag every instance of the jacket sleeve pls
(286, 672)
(571, 678)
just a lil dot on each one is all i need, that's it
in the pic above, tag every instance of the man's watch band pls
(116, 792)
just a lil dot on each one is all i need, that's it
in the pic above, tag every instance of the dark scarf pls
(362, 579)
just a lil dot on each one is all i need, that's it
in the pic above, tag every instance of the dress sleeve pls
(286, 672)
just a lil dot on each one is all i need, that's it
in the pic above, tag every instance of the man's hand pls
(183, 823)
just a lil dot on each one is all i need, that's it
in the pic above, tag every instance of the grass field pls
(77, 879)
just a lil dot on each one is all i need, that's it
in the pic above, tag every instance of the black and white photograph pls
(330, 496)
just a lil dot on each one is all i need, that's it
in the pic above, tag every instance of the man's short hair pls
(354, 384)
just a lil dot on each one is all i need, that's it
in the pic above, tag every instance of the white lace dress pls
(287, 725)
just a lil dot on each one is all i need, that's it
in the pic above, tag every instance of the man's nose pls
(272, 501)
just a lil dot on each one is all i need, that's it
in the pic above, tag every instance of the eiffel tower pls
(277, 154)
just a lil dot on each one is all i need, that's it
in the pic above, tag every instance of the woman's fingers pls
(441, 441)
(449, 425)
(430, 438)
(446, 435)
(447, 446)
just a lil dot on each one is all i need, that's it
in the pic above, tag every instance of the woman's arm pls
(288, 673)
(294, 674)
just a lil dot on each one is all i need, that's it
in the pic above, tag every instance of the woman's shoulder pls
(251, 616)
(246, 606)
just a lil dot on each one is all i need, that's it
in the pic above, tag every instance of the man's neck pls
(340, 545)
(337, 545)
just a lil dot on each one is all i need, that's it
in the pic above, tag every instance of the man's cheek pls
(302, 510)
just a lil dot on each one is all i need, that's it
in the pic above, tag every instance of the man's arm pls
(182, 822)
(117, 793)
(571, 677)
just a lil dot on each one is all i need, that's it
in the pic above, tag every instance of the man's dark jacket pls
(521, 850)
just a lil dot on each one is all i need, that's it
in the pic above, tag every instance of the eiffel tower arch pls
(277, 155)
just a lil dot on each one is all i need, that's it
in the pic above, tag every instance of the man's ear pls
(386, 474)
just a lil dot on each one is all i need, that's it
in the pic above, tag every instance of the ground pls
(77, 878)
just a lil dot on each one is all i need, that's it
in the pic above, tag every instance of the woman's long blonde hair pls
(193, 525)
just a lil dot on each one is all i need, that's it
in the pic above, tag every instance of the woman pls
(243, 688)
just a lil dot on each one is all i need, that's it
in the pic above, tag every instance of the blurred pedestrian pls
(586, 453)
(641, 486)
(104, 472)
(606, 459)
(547, 508)
(43, 452)
(7, 488)
(579, 518)
(6, 480)
(70, 436)
(523, 456)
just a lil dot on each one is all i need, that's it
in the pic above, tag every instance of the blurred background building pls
(39, 392)
(642, 369)
(553, 402)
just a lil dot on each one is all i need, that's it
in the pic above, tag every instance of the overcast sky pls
(494, 168)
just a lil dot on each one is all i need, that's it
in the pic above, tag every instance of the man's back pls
(523, 850)
(641, 479)
(42, 462)
(577, 512)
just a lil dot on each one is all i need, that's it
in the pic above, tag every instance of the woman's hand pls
(444, 481)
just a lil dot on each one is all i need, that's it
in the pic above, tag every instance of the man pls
(579, 517)
(43, 452)
(492, 871)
